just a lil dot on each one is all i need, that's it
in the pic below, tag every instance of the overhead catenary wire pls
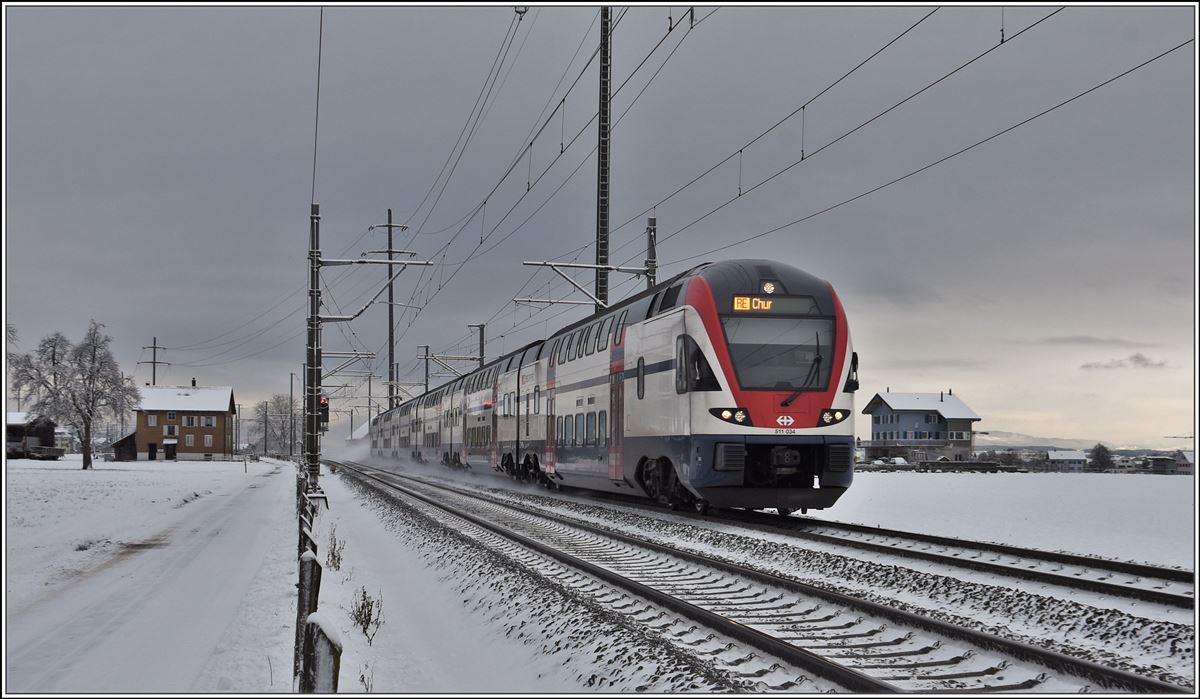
(939, 161)
(1036, 23)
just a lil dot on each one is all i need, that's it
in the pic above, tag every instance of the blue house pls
(920, 427)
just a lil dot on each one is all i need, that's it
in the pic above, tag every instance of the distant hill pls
(996, 439)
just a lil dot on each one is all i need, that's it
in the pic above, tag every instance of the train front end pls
(779, 432)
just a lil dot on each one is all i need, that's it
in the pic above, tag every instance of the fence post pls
(309, 589)
(322, 656)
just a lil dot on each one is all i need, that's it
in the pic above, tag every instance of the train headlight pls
(832, 417)
(736, 416)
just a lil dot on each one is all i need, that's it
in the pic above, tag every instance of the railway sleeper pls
(973, 674)
(891, 654)
(761, 672)
(803, 626)
(1027, 684)
(908, 666)
(865, 634)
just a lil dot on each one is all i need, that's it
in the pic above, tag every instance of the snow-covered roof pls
(948, 405)
(210, 398)
(1066, 455)
(15, 418)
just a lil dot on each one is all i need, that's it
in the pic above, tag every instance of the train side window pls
(692, 371)
(669, 298)
(641, 378)
(602, 340)
(568, 431)
(571, 346)
(558, 429)
(579, 430)
(588, 336)
(537, 400)
(602, 428)
(619, 329)
(653, 303)
(591, 429)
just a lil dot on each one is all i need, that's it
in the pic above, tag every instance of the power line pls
(805, 157)
(941, 160)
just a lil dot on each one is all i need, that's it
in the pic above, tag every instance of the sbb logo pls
(785, 420)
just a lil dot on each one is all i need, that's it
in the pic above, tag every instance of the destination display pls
(793, 305)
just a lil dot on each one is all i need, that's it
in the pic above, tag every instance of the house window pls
(151, 420)
(208, 440)
(189, 440)
(210, 420)
(189, 420)
(171, 416)
(170, 431)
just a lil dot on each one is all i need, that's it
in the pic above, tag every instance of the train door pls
(616, 400)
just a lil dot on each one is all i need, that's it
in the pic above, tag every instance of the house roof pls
(948, 405)
(211, 398)
(15, 418)
(1066, 455)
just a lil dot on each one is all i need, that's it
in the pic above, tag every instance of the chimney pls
(193, 382)
(888, 390)
(952, 391)
(941, 396)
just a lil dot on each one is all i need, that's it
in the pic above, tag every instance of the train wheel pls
(700, 506)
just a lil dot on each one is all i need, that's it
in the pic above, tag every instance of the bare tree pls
(75, 385)
(280, 412)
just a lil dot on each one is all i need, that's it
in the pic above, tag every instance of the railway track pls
(1171, 587)
(858, 645)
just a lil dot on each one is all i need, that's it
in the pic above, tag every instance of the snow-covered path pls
(154, 616)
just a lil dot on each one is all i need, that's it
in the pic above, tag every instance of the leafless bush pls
(333, 555)
(365, 679)
(367, 614)
(333, 468)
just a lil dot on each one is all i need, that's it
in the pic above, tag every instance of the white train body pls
(731, 384)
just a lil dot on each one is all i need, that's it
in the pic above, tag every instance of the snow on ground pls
(457, 618)
(1145, 518)
(149, 576)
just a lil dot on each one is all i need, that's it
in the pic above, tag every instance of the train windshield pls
(782, 354)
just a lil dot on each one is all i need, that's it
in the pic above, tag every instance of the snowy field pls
(1129, 517)
(149, 576)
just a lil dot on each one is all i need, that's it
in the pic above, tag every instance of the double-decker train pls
(729, 385)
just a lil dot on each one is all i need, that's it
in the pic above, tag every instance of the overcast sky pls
(159, 172)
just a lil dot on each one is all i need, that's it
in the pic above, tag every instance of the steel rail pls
(793, 526)
(805, 659)
(1109, 677)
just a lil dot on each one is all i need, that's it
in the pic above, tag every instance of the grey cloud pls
(1092, 340)
(1133, 361)
(932, 363)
